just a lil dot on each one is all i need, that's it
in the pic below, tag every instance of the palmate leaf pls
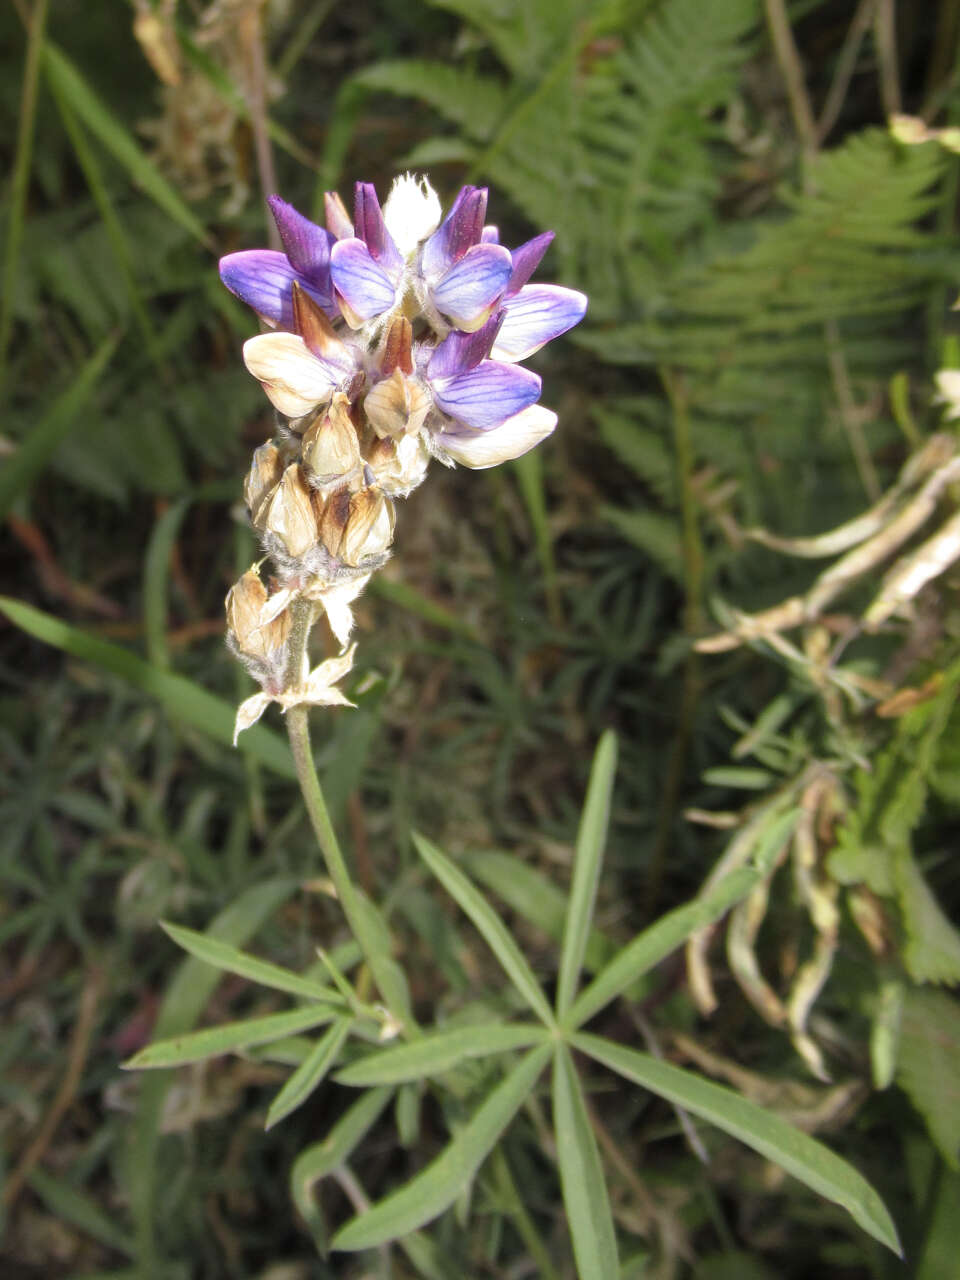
(427, 1195)
(796, 1152)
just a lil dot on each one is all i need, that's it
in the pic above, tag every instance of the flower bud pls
(262, 478)
(251, 637)
(288, 513)
(369, 527)
(330, 448)
(397, 405)
(398, 466)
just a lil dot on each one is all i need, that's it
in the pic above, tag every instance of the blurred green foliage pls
(770, 275)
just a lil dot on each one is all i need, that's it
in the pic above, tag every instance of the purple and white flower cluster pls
(394, 338)
(473, 316)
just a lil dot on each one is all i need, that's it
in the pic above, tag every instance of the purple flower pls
(263, 278)
(533, 314)
(472, 391)
(454, 279)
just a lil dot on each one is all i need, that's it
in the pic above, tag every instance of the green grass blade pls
(231, 959)
(88, 162)
(655, 943)
(213, 1041)
(796, 1152)
(156, 574)
(179, 696)
(581, 1176)
(323, 1157)
(35, 451)
(427, 1195)
(310, 1073)
(96, 115)
(182, 1005)
(591, 839)
(490, 925)
(21, 175)
(437, 1052)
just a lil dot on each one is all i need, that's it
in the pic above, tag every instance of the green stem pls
(298, 729)
(362, 917)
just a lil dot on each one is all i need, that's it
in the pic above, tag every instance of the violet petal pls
(306, 245)
(472, 285)
(526, 259)
(263, 279)
(459, 352)
(459, 231)
(371, 228)
(536, 314)
(367, 290)
(487, 395)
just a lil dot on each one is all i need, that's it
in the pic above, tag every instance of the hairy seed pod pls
(330, 449)
(289, 513)
(251, 637)
(369, 528)
(398, 466)
(262, 478)
(397, 405)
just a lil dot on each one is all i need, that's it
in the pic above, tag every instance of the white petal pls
(411, 212)
(294, 379)
(249, 712)
(513, 438)
(336, 602)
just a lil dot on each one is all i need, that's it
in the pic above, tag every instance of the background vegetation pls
(770, 275)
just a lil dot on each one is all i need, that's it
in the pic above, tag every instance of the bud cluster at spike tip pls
(395, 337)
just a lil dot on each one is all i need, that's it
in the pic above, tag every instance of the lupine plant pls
(394, 340)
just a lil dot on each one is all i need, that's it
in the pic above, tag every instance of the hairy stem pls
(298, 729)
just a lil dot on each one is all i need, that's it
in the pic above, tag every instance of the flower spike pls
(397, 340)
